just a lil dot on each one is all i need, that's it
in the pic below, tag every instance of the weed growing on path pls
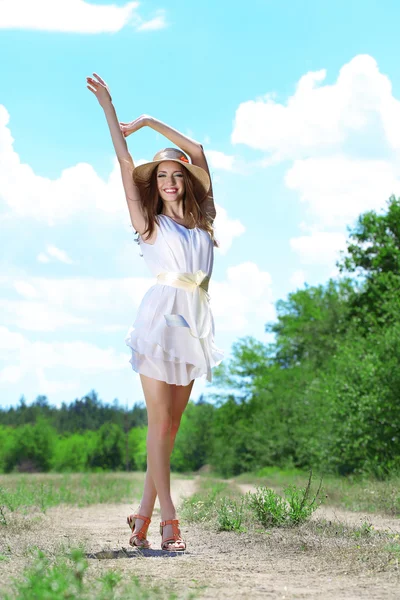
(365, 530)
(269, 508)
(218, 505)
(230, 514)
(273, 510)
(202, 507)
(212, 505)
(352, 493)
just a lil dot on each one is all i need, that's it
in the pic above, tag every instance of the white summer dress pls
(172, 337)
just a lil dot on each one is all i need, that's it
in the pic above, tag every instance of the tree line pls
(87, 413)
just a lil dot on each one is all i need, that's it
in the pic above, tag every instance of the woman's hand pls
(100, 89)
(128, 128)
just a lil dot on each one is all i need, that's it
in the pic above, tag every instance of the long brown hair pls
(152, 204)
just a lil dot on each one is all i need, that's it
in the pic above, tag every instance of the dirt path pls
(275, 565)
(346, 517)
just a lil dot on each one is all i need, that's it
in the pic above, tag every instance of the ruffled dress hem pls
(153, 360)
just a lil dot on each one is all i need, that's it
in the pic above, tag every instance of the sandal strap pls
(141, 538)
(172, 541)
(176, 533)
(141, 534)
(169, 522)
(147, 520)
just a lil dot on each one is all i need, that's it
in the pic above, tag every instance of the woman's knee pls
(160, 425)
(174, 426)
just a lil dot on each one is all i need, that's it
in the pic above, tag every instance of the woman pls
(172, 339)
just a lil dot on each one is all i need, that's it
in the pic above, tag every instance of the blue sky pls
(296, 104)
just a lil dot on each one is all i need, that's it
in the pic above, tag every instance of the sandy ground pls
(216, 565)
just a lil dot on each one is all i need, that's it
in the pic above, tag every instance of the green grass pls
(231, 514)
(394, 548)
(41, 491)
(202, 506)
(67, 578)
(354, 494)
(219, 505)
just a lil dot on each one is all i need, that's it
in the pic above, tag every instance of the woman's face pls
(170, 182)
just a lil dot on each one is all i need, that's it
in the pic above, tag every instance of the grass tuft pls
(218, 505)
(230, 514)
(202, 507)
(273, 510)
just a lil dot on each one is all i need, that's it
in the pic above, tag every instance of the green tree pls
(109, 450)
(32, 448)
(137, 451)
(374, 256)
(309, 323)
(74, 452)
(193, 442)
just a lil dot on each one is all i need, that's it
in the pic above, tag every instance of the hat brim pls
(144, 172)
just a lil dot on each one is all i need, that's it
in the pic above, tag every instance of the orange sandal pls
(138, 538)
(176, 536)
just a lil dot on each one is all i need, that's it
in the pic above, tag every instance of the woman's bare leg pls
(165, 406)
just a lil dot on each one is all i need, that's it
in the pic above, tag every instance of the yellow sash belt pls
(199, 309)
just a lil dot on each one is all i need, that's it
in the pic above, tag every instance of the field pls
(66, 536)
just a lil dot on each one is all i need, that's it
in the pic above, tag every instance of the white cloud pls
(35, 358)
(323, 119)
(56, 253)
(38, 316)
(25, 289)
(298, 278)
(159, 22)
(76, 16)
(246, 293)
(226, 229)
(337, 189)
(11, 374)
(319, 248)
(343, 139)
(79, 190)
(43, 258)
(219, 160)
(81, 304)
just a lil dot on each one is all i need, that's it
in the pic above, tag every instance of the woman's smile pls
(170, 181)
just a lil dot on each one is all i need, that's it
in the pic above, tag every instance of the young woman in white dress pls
(180, 190)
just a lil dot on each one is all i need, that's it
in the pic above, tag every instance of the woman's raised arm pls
(100, 89)
(192, 148)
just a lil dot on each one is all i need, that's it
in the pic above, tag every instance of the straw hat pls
(143, 172)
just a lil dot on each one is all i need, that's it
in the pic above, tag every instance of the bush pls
(74, 452)
(7, 442)
(109, 450)
(31, 448)
(194, 439)
(137, 451)
(362, 392)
